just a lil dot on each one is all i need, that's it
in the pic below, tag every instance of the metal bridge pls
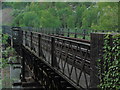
(56, 62)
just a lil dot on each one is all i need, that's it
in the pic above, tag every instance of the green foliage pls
(8, 53)
(4, 39)
(15, 5)
(70, 21)
(48, 20)
(111, 64)
(6, 4)
(84, 15)
(79, 14)
(108, 16)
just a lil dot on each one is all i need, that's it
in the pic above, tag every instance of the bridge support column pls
(97, 42)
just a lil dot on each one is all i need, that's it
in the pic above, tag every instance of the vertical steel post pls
(25, 38)
(75, 33)
(23, 66)
(20, 40)
(53, 58)
(84, 33)
(68, 32)
(39, 44)
(31, 41)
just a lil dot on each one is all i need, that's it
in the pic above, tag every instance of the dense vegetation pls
(82, 15)
(8, 53)
(110, 75)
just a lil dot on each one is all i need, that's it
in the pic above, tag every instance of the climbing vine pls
(109, 72)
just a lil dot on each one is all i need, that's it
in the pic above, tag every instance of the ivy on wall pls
(109, 73)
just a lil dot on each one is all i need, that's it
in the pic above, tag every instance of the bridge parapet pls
(67, 57)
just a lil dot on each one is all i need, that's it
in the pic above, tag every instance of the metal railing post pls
(68, 32)
(31, 40)
(23, 66)
(75, 33)
(39, 44)
(25, 38)
(53, 58)
(84, 33)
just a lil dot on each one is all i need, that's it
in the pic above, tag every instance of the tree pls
(48, 20)
(79, 13)
(108, 16)
(57, 14)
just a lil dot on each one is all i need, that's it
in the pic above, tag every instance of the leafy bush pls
(8, 53)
